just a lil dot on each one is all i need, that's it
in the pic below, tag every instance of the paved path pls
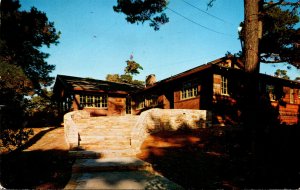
(103, 173)
(117, 173)
(120, 180)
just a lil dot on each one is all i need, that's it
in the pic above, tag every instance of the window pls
(292, 96)
(93, 101)
(224, 86)
(271, 92)
(140, 104)
(298, 97)
(189, 90)
(151, 102)
(227, 63)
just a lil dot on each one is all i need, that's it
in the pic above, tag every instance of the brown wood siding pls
(289, 114)
(115, 106)
(189, 103)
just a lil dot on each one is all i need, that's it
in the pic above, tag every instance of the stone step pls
(105, 146)
(120, 180)
(82, 154)
(94, 130)
(104, 132)
(110, 164)
(99, 120)
(105, 137)
(108, 146)
(108, 118)
(112, 126)
(107, 142)
(101, 139)
(99, 153)
(106, 125)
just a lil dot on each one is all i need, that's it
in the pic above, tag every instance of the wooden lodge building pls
(215, 86)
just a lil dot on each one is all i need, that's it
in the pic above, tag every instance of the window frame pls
(93, 101)
(189, 90)
(224, 86)
(140, 104)
(151, 101)
(292, 97)
(270, 90)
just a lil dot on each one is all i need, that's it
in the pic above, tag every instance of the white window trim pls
(292, 98)
(190, 91)
(224, 86)
(271, 94)
(102, 100)
(150, 102)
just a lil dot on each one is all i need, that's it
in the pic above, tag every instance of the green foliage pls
(132, 67)
(280, 36)
(124, 79)
(23, 33)
(41, 110)
(12, 78)
(14, 138)
(23, 68)
(13, 87)
(281, 74)
(113, 77)
(140, 11)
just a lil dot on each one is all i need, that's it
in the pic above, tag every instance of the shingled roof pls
(197, 69)
(72, 83)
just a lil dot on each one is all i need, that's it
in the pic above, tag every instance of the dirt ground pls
(199, 159)
(43, 162)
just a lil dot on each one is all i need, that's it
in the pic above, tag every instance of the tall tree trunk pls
(251, 92)
(251, 8)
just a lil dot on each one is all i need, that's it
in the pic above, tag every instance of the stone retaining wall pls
(156, 120)
(70, 127)
(150, 121)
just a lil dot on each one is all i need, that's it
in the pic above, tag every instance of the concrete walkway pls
(120, 180)
(116, 173)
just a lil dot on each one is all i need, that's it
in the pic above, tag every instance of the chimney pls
(150, 80)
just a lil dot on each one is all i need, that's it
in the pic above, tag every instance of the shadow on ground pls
(39, 167)
(209, 158)
(49, 169)
(221, 158)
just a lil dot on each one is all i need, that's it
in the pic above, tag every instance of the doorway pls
(128, 105)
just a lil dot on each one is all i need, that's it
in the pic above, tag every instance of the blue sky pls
(96, 41)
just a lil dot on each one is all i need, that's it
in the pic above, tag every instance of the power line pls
(204, 11)
(212, 30)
